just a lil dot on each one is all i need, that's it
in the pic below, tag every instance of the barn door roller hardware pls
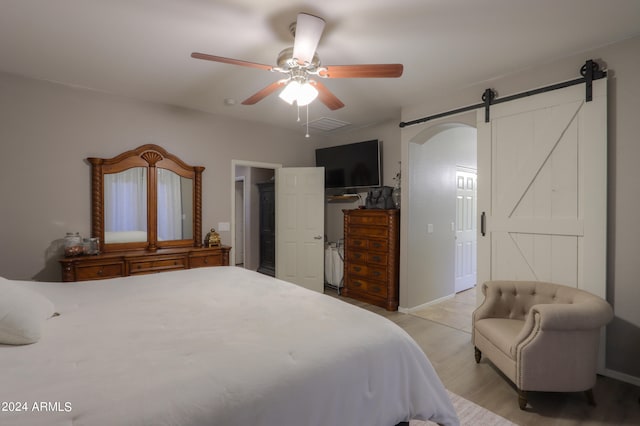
(590, 71)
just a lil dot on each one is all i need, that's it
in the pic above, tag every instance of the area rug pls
(470, 414)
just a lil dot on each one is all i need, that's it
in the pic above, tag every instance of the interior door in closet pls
(300, 226)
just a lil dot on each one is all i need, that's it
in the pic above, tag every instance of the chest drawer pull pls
(376, 258)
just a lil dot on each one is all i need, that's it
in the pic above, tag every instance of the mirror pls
(145, 199)
(175, 206)
(125, 206)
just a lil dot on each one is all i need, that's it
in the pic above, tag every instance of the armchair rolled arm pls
(582, 315)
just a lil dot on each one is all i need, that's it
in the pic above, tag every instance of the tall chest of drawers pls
(372, 256)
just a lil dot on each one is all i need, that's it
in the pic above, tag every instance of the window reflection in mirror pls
(175, 206)
(125, 206)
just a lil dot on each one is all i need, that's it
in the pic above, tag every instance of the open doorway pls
(245, 215)
(436, 157)
(240, 220)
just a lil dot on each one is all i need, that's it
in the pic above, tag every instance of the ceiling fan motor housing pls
(286, 61)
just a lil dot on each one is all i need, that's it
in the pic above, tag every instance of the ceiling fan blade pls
(326, 97)
(257, 97)
(308, 32)
(362, 71)
(206, 57)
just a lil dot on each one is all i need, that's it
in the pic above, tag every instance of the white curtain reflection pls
(125, 201)
(169, 206)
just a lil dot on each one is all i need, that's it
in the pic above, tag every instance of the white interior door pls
(542, 186)
(465, 228)
(300, 226)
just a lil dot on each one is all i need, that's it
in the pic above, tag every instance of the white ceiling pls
(141, 48)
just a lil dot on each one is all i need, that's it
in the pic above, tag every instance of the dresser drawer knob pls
(357, 269)
(376, 258)
(376, 273)
(357, 284)
(377, 245)
(100, 271)
(206, 260)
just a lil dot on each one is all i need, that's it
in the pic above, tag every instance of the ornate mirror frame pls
(150, 157)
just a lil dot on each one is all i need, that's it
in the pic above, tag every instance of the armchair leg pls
(522, 399)
(478, 354)
(590, 398)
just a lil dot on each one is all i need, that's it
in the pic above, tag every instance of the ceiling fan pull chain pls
(298, 108)
(307, 135)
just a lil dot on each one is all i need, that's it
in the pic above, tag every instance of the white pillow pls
(22, 313)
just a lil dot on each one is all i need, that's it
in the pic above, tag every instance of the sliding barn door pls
(542, 186)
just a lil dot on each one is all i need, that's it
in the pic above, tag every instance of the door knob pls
(317, 237)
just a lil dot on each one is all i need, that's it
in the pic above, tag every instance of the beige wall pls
(389, 133)
(46, 132)
(623, 291)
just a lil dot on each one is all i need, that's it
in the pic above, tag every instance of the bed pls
(213, 346)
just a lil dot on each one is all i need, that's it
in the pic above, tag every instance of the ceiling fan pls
(301, 62)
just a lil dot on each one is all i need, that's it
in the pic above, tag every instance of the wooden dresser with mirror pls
(146, 211)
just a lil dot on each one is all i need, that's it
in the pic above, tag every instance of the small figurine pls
(212, 239)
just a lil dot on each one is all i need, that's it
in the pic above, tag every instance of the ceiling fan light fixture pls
(301, 93)
(290, 92)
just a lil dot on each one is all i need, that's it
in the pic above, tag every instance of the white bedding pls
(215, 346)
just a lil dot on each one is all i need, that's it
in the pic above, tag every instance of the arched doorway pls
(436, 156)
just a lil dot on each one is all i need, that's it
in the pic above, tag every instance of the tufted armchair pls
(542, 336)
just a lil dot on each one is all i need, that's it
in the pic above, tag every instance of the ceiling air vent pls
(327, 124)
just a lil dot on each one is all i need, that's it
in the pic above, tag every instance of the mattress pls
(215, 346)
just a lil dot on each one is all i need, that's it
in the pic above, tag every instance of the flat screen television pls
(355, 165)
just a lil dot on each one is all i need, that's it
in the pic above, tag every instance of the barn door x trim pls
(590, 71)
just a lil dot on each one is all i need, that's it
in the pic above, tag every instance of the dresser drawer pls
(368, 231)
(157, 265)
(369, 244)
(371, 272)
(214, 259)
(366, 257)
(369, 220)
(99, 272)
(369, 287)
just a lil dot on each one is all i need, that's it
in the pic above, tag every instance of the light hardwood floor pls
(449, 349)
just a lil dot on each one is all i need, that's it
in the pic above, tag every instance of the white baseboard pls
(627, 378)
(424, 305)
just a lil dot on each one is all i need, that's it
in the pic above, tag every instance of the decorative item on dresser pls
(372, 256)
(146, 213)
